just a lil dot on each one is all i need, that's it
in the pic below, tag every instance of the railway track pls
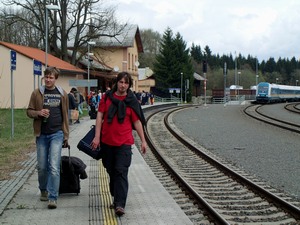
(218, 192)
(254, 112)
(293, 107)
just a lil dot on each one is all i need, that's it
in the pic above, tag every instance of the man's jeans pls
(49, 148)
(80, 107)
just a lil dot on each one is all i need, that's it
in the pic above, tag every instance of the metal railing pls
(234, 99)
(171, 99)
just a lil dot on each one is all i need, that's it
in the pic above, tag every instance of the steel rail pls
(218, 219)
(283, 124)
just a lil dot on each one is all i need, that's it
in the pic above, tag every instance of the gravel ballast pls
(265, 151)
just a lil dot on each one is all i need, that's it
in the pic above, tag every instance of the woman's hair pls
(120, 76)
(52, 70)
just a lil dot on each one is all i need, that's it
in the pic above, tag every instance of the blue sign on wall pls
(13, 60)
(37, 68)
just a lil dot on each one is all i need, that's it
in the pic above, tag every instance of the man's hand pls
(144, 147)
(66, 144)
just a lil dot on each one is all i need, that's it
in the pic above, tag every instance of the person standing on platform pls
(72, 105)
(81, 103)
(151, 98)
(99, 96)
(48, 107)
(118, 111)
(76, 95)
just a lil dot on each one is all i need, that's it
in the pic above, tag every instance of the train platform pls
(148, 202)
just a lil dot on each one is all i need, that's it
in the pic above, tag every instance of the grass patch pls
(14, 150)
(85, 113)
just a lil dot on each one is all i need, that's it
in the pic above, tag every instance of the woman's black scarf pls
(119, 107)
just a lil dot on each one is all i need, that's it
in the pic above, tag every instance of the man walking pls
(48, 107)
(118, 111)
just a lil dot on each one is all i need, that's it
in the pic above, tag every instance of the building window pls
(128, 61)
(132, 62)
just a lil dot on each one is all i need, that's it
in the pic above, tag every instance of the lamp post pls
(235, 70)
(256, 82)
(89, 44)
(204, 70)
(256, 72)
(277, 80)
(186, 87)
(297, 82)
(181, 87)
(225, 70)
(48, 7)
(238, 84)
(204, 89)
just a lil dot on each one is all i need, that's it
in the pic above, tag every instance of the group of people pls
(93, 98)
(117, 113)
(144, 97)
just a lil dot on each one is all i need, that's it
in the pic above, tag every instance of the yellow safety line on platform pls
(108, 214)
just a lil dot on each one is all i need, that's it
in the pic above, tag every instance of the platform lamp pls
(181, 76)
(54, 8)
(89, 61)
(256, 72)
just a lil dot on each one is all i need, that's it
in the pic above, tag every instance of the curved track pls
(224, 193)
(293, 107)
(254, 112)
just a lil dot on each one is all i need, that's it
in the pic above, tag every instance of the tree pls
(270, 65)
(172, 60)
(163, 66)
(151, 44)
(196, 53)
(76, 23)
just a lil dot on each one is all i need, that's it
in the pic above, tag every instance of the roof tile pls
(39, 55)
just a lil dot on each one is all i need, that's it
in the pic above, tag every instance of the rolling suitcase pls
(72, 170)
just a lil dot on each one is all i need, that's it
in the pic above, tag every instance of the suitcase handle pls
(69, 155)
(68, 149)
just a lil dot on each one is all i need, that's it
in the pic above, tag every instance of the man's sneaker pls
(44, 196)
(52, 204)
(120, 211)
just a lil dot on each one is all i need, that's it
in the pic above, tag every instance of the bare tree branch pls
(76, 23)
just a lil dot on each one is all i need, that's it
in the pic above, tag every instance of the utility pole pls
(225, 70)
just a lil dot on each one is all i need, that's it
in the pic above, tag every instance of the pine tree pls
(172, 60)
(164, 61)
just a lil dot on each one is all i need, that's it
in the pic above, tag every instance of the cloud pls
(258, 27)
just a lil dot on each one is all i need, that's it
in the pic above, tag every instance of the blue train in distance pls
(272, 93)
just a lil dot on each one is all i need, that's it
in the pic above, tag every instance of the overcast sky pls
(261, 28)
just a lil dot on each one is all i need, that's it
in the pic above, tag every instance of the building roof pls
(125, 39)
(39, 55)
(198, 77)
(144, 73)
(94, 64)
